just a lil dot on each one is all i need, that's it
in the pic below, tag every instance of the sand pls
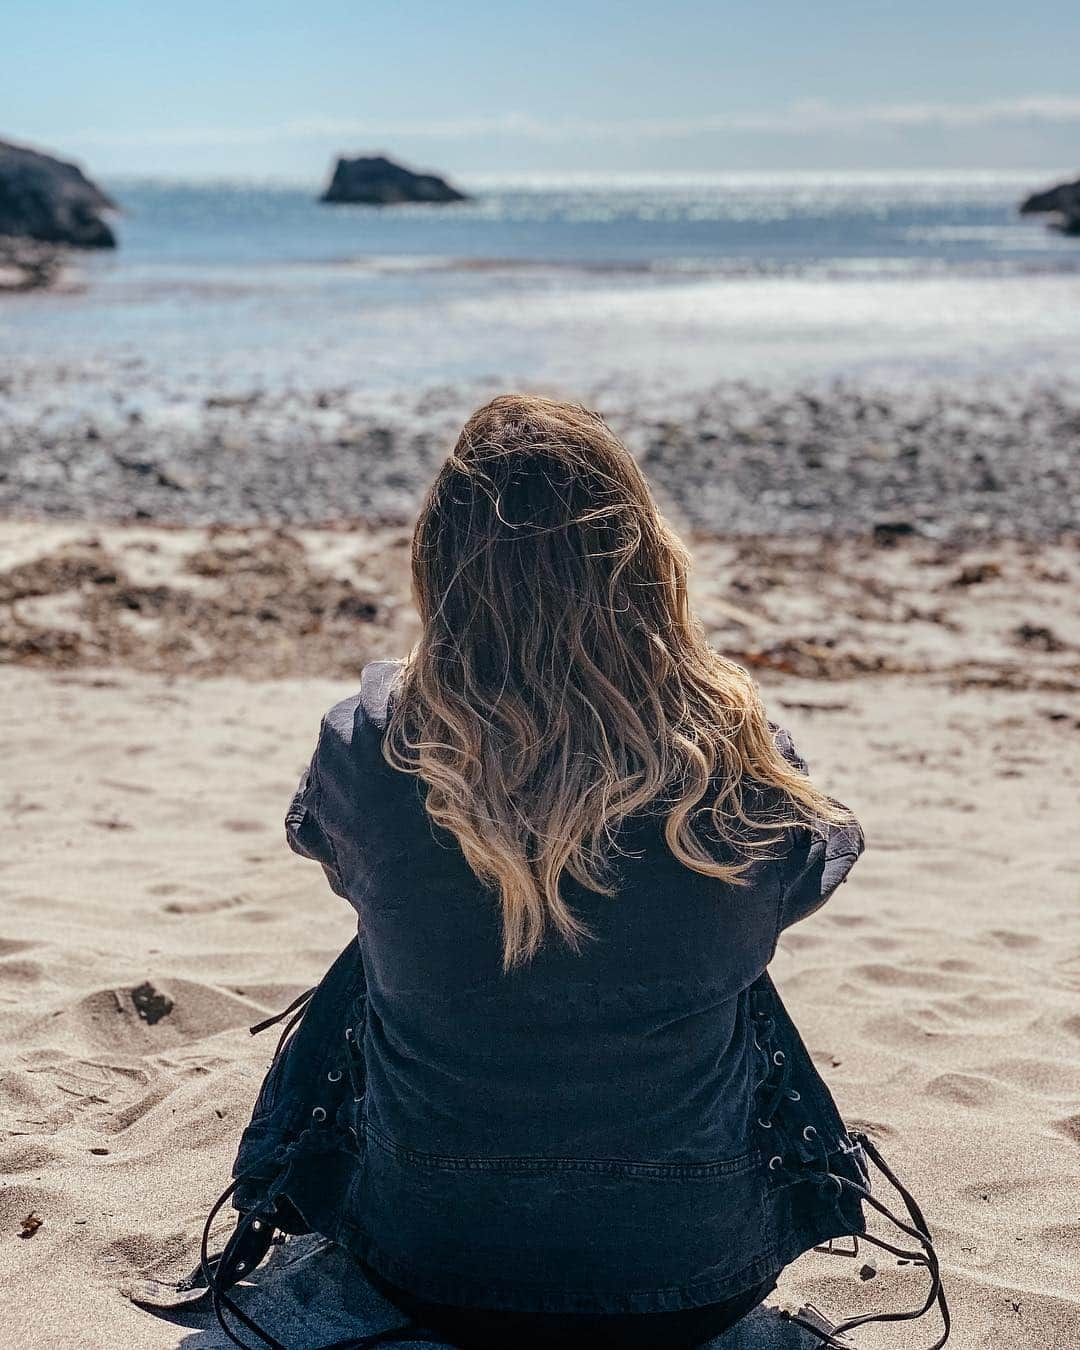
(145, 781)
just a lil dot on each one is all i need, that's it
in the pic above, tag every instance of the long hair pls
(561, 681)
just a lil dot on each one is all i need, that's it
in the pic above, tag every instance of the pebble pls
(944, 461)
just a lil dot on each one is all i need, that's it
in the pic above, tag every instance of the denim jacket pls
(634, 1128)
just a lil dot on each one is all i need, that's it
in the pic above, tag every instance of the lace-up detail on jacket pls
(797, 1153)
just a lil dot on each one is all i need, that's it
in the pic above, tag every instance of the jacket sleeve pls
(305, 831)
(816, 863)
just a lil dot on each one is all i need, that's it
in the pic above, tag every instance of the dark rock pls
(1038, 637)
(974, 574)
(1062, 202)
(890, 532)
(149, 1004)
(51, 201)
(377, 181)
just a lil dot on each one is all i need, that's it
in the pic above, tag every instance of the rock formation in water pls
(48, 200)
(1062, 201)
(377, 181)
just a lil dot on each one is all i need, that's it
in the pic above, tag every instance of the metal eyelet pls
(778, 1057)
(256, 1224)
(241, 1266)
(765, 1124)
(794, 1096)
(809, 1133)
(348, 1033)
(775, 1162)
(334, 1076)
(319, 1113)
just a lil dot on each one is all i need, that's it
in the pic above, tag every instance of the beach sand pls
(153, 733)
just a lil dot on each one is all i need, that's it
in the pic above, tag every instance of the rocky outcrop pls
(375, 180)
(1062, 201)
(51, 201)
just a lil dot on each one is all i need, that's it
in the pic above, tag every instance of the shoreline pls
(960, 460)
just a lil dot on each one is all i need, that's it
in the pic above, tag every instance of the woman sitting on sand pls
(578, 1112)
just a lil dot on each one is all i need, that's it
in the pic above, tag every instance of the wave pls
(692, 268)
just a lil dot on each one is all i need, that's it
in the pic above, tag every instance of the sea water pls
(571, 283)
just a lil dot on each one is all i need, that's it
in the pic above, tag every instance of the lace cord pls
(210, 1267)
(300, 1002)
(778, 1091)
(354, 1063)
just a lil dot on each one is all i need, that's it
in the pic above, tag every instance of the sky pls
(264, 89)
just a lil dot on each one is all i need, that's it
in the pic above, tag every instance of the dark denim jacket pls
(636, 1128)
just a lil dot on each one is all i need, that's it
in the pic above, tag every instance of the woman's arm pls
(304, 830)
(816, 863)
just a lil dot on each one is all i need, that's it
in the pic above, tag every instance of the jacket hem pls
(458, 1288)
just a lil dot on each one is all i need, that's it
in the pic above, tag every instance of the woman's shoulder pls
(378, 680)
(364, 710)
(347, 762)
(782, 739)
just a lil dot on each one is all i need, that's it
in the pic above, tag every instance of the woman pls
(579, 1113)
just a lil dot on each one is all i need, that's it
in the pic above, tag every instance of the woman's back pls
(578, 1131)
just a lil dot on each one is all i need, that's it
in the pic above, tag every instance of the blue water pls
(569, 283)
(740, 221)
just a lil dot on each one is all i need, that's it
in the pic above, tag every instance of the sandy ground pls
(143, 794)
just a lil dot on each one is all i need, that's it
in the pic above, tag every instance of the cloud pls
(804, 118)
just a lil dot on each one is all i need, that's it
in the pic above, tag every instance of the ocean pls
(575, 283)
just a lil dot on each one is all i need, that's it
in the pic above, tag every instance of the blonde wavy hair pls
(561, 681)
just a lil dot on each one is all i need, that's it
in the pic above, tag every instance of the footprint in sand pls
(876, 1129)
(28, 1155)
(956, 965)
(146, 1252)
(212, 905)
(20, 971)
(993, 1012)
(1049, 1078)
(65, 1089)
(1069, 1126)
(965, 1089)
(107, 1022)
(914, 1032)
(12, 946)
(879, 943)
(1040, 1194)
(904, 977)
(1015, 941)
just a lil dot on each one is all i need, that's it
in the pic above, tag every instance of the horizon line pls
(584, 177)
